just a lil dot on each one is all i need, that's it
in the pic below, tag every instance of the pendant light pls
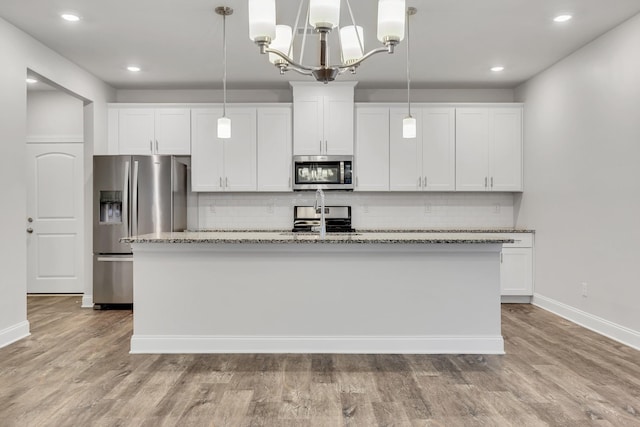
(409, 122)
(224, 123)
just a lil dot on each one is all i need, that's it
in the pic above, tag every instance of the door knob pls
(29, 230)
(30, 219)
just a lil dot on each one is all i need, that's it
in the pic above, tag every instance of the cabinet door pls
(338, 125)
(505, 149)
(173, 131)
(307, 125)
(136, 131)
(516, 271)
(405, 155)
(206, 150)
(372, 149)
(274, 149)
(438, 149)
(472, 149)
(240, 151)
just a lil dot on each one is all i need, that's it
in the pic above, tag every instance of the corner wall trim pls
(87, 301)
(316, 344)
(14, 333)
(597, 324)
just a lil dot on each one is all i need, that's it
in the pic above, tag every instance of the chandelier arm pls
(299, 71)
(388, 49)
(291, 62)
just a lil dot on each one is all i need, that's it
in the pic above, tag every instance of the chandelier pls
(323, 16)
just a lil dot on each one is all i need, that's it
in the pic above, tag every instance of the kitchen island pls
(280, 292)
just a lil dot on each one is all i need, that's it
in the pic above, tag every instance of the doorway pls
(55, 191)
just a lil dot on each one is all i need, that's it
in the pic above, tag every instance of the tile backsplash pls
(274, 211)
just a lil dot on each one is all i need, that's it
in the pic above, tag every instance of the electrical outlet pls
(585, 289)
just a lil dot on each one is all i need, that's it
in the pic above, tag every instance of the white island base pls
(316, 298)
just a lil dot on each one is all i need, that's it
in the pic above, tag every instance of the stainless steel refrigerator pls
(132, 195)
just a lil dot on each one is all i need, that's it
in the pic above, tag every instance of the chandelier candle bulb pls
(324, 13)
(282, 42)
(351, 48)
(262, 19)
(391, 16)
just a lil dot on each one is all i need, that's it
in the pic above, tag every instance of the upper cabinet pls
(147, 131)
(372, 149)
(323, 118)
(427, 162)
(223, 164)
(489, 149)
(274, 149)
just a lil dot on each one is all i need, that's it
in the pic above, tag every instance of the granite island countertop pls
(285, 237)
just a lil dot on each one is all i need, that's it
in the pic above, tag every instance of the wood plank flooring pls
(75, 370)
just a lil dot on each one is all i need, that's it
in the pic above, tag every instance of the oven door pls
(325, 172)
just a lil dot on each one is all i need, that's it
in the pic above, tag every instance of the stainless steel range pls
(337, 218)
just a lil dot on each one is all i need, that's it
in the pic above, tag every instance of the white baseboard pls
(331, 344)
(597, 324)
(14, 333)
(516, 299)
(87, 301)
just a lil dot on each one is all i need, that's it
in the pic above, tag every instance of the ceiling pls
(178, 44)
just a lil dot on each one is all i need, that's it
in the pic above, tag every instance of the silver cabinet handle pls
(356, 181)
(29, 230)
(125, 199)
(134, 200)
(226, 182)
(500, 257)
(320, 147)
(491, 182)
(425, 182)
(419, 182)
(221, 183)
(485, 181)
(326, 147)
(151, 146)
(156, 146)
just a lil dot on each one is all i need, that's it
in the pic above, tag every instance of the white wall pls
(582, 183)
(279, 95)
(54, 116)
(19, 53)
(384, 211)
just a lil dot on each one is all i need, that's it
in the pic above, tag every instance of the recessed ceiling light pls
(70, 17)
(497, 68)
(562, 18)
(133, 68)
(31, 80)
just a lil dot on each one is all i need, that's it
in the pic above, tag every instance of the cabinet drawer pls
(520, 240)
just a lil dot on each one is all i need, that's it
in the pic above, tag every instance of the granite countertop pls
(279, 237)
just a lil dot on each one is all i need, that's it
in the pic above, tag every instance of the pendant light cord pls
(408, 63)
(224, 60)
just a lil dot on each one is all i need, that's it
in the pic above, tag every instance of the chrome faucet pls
(323, 223)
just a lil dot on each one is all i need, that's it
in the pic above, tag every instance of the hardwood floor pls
(75, 370)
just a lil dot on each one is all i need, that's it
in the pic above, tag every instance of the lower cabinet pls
(516, 268)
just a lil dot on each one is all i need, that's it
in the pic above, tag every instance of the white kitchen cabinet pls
(372, 149)
(323, 118)
(223, 164)
(516, 266)
(489, 149)
(427, 162)
(147, 131)
(274, 149)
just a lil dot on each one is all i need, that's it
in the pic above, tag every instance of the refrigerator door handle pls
(115, 259)
(125, 199)
(134, 200)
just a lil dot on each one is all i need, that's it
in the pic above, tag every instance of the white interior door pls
(54, 206)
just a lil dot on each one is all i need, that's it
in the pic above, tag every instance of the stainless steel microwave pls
(324, 172)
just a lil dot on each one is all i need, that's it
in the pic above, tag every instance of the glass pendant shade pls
(224, 128)
(262, 19)
(282, 42)
(351, 49)
(409, 127)
(324, 13)
(391, 16)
